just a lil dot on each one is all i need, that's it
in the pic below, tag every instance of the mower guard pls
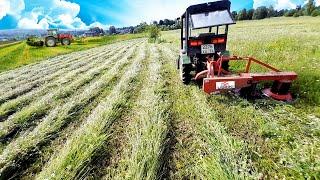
(218, 80)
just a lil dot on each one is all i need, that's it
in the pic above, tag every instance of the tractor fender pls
(49, 37)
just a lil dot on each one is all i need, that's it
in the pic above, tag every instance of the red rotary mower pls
(204, 57)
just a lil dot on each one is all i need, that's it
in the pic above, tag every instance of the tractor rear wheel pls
(225, 65)
(66, 42)
(185, 73)
(50, 42)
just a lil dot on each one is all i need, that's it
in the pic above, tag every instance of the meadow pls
(120, 111)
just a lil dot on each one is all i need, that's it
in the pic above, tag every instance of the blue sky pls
(82, 14)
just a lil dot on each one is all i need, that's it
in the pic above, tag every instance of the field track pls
(120, 112)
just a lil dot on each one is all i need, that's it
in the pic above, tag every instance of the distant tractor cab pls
(53, 37)
(204, 57)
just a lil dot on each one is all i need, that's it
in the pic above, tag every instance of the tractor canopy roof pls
(210, 14)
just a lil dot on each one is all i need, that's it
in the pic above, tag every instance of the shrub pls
(295, 15)
(315, 13)
(154, 33)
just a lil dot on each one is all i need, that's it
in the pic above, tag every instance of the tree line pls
(309, 9)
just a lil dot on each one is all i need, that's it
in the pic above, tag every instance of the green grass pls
(280, 140)
(17, 55)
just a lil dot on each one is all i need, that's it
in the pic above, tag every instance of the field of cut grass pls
(15, 55)
(120, 111)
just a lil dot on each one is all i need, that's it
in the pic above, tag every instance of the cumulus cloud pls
(47, 13)
(11, 7)
(277, 4)
(146, 11)
(285, 4)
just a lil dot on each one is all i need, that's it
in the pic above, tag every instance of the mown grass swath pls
(11, 106)
(146, 132)
(78, 151)
(59, 116)
(41, 75)
(43, 104)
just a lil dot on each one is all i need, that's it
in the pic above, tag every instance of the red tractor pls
(54, 37)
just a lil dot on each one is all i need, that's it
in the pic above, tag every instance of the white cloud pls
(32, 21)
(11, 7)
(285, 4)
(317, 2)
(98, 24)
(146, 11)
(258, 3)
(56, 13)
(277, 4)
(5, 7)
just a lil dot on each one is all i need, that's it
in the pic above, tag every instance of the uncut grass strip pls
(146, 131)
(42, 105)
(221, 155)
(58, 118)
(45, 65)
(10, 107)
(75, 156)
(282, 143)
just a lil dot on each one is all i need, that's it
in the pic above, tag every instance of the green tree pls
(309, 7)
(242, 15)
(154, 33)
(260, 13)
(234, 14)
(112, 30)
(250, 14)
(315, 13)
(290, 13)
(271, 12)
